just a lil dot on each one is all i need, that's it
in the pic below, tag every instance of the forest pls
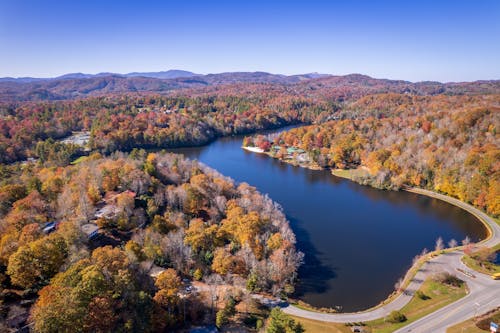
(449, 144)
(116, 236)
(153, 212)
(227, 104)
(127, 122)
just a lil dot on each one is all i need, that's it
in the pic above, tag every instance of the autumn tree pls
(36, 262)
(99, 294)
(53, 302)
(168, 284)
(200, 236)
(224, 262)
(242, 227)
(30, 209)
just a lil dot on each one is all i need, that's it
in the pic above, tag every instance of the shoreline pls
(287, 161)
(491, 231)
(491, 239)
(481, 216)
(254, 149)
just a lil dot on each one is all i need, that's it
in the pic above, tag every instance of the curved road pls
(484, 292)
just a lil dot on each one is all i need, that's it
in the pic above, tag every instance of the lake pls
(357, 240)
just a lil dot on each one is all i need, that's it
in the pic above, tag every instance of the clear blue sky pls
(441, 40)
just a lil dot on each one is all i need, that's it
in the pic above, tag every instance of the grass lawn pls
(469, 326)
(440, 295)
(304, 306)
(348, 173)
(79, 160)
(486, 268)
(314, 326)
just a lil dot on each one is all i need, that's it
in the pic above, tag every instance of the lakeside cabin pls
(300, 155)
(289, 150)
(293, 150)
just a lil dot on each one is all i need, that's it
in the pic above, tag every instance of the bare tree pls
(220, 202)
(452, 243)
(399, 284)
(213, 281)
(173, 247)
(415, 259)
(439, 244)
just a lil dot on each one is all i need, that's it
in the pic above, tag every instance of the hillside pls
(79, 85)
(448, 144)
(117, 234)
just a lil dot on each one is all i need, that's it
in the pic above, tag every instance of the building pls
(91, 230)
(49, 227)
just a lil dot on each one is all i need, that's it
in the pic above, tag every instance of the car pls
(495, 276)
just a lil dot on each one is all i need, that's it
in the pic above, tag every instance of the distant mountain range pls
(77, 85)
(170, 74)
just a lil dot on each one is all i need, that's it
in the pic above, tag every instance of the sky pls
(442, 40)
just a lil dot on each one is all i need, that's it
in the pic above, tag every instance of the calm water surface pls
(358, 241)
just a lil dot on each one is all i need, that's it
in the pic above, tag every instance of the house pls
(109, 210)
(291, 150)
(155, 271)
(303, 158)
(91, 230)
(204, 329)
(49, 227)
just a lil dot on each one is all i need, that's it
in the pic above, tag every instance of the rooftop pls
(89, 228)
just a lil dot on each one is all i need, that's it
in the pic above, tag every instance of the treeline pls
(337, 87)
(154, 212)
(196, 116)
(449, 144)
(126, 122)
(174, 122)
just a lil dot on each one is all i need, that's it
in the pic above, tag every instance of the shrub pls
(396, 317)
(230, 307)
(449, 279)
(198, 274)
(253, 322)
(281, 322)
(221, 318)
(484, 322)
(252, 283)
(421, 295)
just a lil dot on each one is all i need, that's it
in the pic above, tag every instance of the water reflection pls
(358, 241)
(313, 274)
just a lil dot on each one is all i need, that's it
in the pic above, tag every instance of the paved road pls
(484, 295)
(484, 292)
